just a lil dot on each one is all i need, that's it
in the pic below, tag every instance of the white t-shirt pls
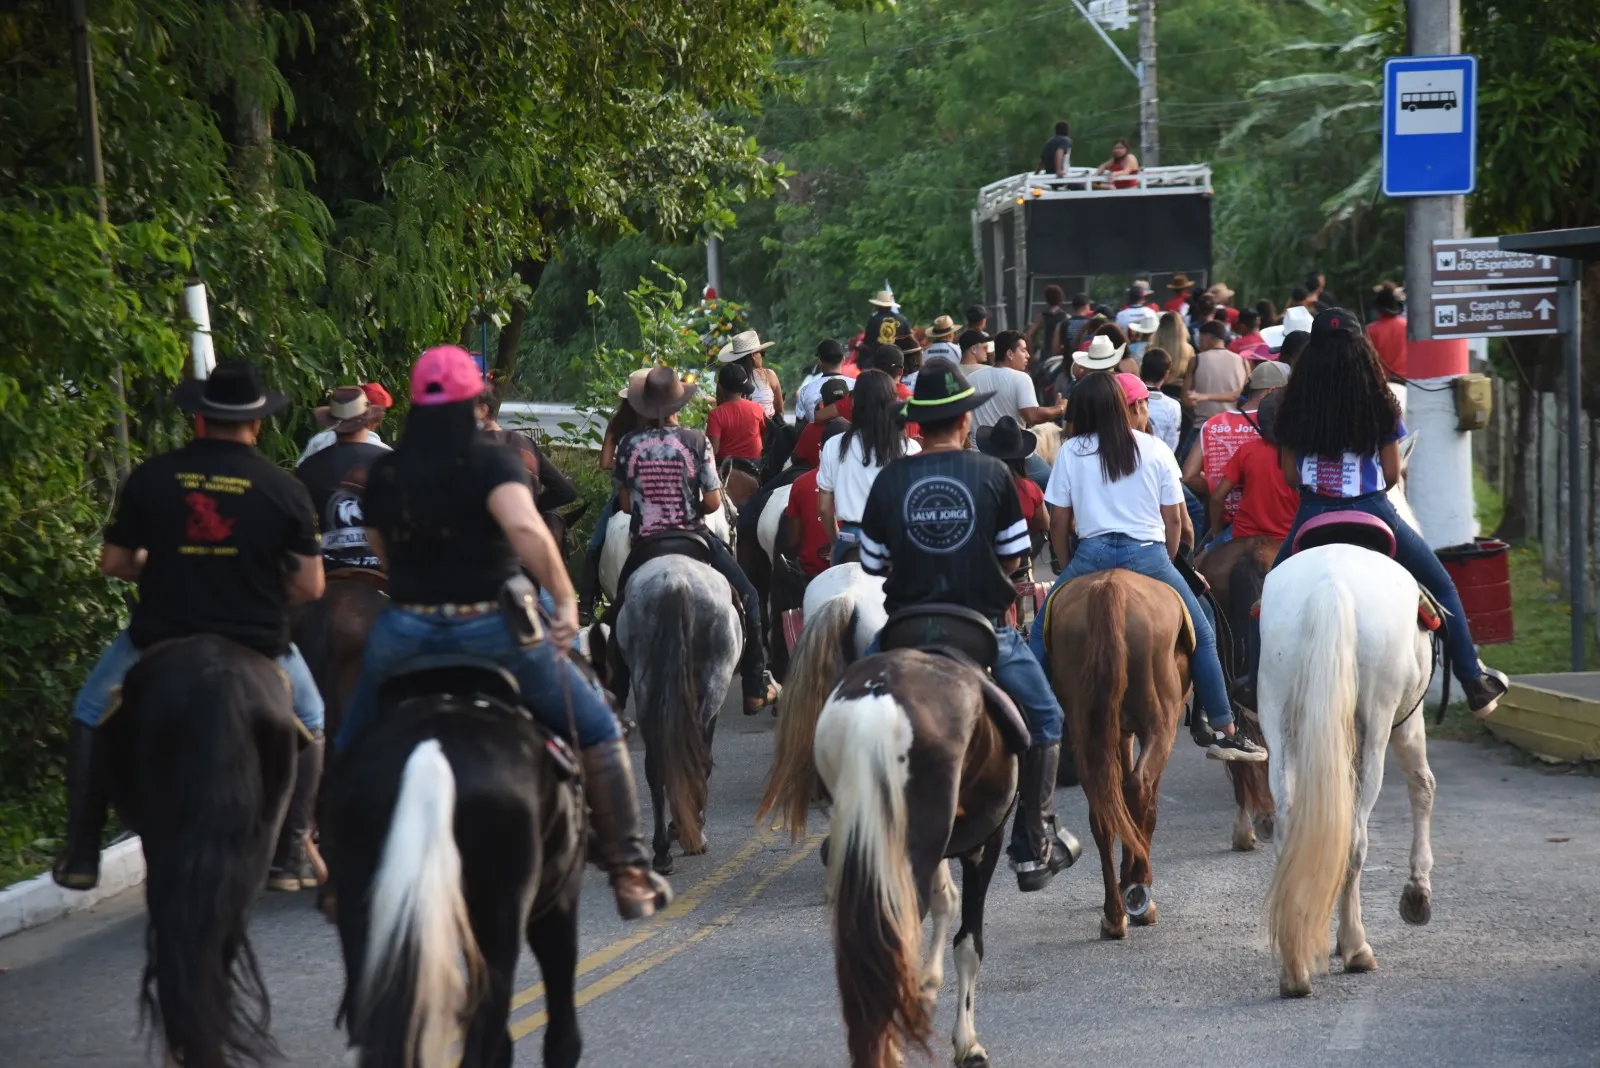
(809, 396)
(1166, 416)
(1131, 505)
(849, 478)
(324, 438)
(1013, 391)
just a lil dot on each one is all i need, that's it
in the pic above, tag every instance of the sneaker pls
(1483, 696)
(1235, 747)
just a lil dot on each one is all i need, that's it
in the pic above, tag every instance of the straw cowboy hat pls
(1179, 283)
(233, 394)
(745, 343)
(622, 394)
(1006, 440)
(658, 392)
(348, 409)
(943, 328)
(1221, 292)
(942, 392)
(882, 299)
(1100, 355)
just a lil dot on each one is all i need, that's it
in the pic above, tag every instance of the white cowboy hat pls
(1294, 319)
(1101, 354)
(882, 299)
(1147, 323)
(743, 344)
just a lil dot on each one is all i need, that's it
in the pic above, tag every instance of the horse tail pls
(1101, 684)
(669, 718)
(824, 650)
(876, 918)
(207, 846)
(1317, 748)
(419, 934)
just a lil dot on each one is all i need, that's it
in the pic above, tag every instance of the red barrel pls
(1482, 575)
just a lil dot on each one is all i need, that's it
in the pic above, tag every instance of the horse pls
(619, 542)
(1119, 646)
(1236, 569)
(201, 756)
(457, 826)
(682, 637)
(918, 771)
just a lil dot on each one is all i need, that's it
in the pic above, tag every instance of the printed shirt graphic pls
(1346, 475)
(1221, 437)
(884, 326)
(666, 470)
(938, 524)
(336, 477)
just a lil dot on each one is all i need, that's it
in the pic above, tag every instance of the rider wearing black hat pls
(945, 526)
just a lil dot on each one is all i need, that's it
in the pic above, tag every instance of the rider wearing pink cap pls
(452, 515)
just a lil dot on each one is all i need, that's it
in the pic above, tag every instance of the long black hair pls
(1338, 399)
(1098, 407)
(430, 459)
(873, 422)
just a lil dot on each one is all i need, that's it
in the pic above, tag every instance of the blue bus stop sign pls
(1430, 126)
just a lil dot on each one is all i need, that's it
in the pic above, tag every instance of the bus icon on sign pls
(1426, 101)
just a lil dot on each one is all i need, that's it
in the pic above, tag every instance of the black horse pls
(455, 827)
(201, 755)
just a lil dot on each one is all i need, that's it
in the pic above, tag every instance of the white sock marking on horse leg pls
(942, 910)
(965, 1035)
(1350, 1030)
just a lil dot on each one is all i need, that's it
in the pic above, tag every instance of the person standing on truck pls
(1056, 155)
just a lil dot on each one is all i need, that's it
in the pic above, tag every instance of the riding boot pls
(1051, 849)
(614, 813)
(78, 866)
(589, 586)
(291, 867)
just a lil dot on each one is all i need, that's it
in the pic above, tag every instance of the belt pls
(452, 611)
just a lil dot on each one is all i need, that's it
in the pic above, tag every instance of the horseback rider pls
(666, 478)
(1339, 429)
(220, 541)
(337, 475)
(945, 526)
(452, 515)
(1122, 491)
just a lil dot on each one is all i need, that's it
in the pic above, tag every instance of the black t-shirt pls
(884, 326)
(1047, 156)
(1051, 321)
(337, 478)
(219, 521)
(443, 545)
(937, 524)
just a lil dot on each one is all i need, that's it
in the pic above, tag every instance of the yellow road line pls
(606, 984)
(681, 906)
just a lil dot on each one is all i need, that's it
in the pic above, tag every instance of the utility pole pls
(1149, 120)
(89, 120)
(714, 264)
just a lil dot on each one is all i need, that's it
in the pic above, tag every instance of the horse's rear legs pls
(662, 842)
(553, 937)
(1411, 749)
(1352, 944)
(976, 872)
(942, 910)
(1114, 924)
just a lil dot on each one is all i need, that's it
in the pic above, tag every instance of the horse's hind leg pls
(976, 872)
(1114, 924)
(1244, 831)
(1410, 743)
(1352, 940)
(553, 937)
(662, 842)
(942, 909)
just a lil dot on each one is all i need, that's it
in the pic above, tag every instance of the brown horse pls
(1119, 648)
(1236, 570)
(918, 772)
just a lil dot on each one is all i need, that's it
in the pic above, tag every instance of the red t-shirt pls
(1388, 336)
(1031, 496)
(1267, 505)
(804, 517)
(1239, 344)
(1220, 437)
(1175, 305)
(735, 427)
(808, 446)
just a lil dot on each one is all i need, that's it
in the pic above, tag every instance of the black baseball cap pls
(835, 390)
(971, 338)
(733, 379)
(1334, 321)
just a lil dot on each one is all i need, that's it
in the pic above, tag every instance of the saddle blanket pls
(1186, 639)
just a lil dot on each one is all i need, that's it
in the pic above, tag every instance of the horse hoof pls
(1265, 827)
(1137, 901)
(976, 1057)
(1416, 905)
(1149, 918)
(1294, 988)
(1110, 933)
(662, 864)
(1362, 961)
(1244, 843)
(705, 844)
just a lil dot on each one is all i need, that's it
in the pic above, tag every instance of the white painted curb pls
(39, 900)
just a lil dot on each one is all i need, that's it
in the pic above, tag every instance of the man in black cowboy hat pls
(666, 478)
(945, 526)
(220, 541)
(337, 476)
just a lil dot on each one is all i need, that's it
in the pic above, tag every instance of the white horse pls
(771, 517)
(619, 541)
(1344, 669)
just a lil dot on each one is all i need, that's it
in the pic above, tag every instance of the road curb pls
(39, 900)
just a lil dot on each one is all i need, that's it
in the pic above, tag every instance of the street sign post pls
(1501, 312)
(1478, 260)
(1430, 126)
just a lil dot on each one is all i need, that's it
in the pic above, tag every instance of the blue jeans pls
(849, 539)
(1411, 553)
(598, 538)
(1108, 551)
(1038, 470)
(1197, 514)
(548, 604)
(94, 700)
(1221, 537)
(1020, 676)
(547, 681)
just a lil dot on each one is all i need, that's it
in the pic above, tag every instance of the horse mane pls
(1047, 437)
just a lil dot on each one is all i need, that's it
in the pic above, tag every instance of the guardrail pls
(1189, 179)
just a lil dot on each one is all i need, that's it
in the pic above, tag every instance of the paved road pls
(741, 972)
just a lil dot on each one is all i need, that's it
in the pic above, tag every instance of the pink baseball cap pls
(445, 374)
(1256, 351)
(1133, 388)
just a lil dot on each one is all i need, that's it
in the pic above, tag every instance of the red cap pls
(445, 374)
(1256, 350)
(1133, 388)
(377, 396)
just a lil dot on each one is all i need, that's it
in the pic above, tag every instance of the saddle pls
(967, 637)
(361, 576)
(1345, 528)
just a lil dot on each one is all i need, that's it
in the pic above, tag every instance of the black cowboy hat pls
(1006, 440)
(233, 394)
(734, 379)
(659, 393)
(942, 392)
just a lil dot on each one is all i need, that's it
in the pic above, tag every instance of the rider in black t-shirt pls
(337, 477)
(946, 526)
(885, 324)
(220, 541)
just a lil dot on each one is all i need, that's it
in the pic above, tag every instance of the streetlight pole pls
(1149, 119)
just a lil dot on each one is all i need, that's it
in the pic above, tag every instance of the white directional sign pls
(1499, 312)
(1476, 260)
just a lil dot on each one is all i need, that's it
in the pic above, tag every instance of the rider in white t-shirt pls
(851, 462)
